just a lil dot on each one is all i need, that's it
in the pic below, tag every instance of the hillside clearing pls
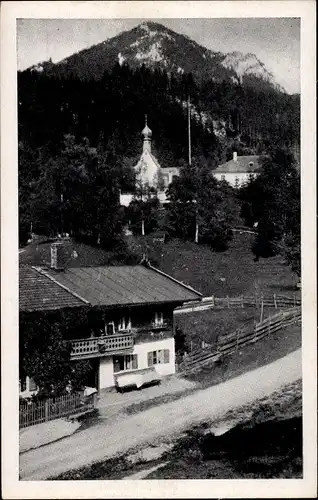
(232, 272)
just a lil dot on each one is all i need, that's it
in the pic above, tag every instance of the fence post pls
(262, 311)
(275, 303)
(242, 301)
(269, 326)
(294, 300)
(46, 410)
(228, 301)
(95, 399)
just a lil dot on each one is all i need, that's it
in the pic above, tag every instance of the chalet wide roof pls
(102, 286)
(244, 164)
(38, 292)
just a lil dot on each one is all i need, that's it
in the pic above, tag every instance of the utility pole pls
(196, 237)
(189, 130)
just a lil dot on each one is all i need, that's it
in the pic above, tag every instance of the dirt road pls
(116, 436)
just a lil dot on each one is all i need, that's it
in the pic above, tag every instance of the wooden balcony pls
(100, 346)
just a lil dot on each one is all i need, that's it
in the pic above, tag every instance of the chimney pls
(235, 156)
(57, 256)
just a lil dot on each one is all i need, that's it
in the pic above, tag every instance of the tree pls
(199, 202)
(143, 215)
(45, 355)
(273, 200)
(181, 208)
(77, 192)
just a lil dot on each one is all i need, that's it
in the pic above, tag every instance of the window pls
(158, 318)
(124, 323)
(158, 357)
(128, 362)
(165, 178)
(237, 182)
(32, 385)
(251, 163)
(222, 177)
(110, 329)
(27, 384)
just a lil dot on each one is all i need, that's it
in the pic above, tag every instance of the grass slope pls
(232, 272)
(208, 325)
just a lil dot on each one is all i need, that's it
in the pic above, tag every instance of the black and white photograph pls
(161, 302)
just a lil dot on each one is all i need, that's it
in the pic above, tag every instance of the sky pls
(275, 41)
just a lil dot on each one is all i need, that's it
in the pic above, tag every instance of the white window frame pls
(129, 360)
(107, 324)
(124, 323)
(158, 357)
(159, 320)
(28, 384)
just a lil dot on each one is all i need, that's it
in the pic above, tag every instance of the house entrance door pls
(92, 378)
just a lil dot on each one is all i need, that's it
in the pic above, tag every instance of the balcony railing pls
(99, 346)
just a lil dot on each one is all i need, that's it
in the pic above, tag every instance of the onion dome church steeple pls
(149, 173)
(147, 134)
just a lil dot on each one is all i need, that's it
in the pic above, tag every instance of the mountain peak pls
(155, 45)
(148, 25)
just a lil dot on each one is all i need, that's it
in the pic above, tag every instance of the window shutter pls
(150, 359)
(135, 362)
(166, 355)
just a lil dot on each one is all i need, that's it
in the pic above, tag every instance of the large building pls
(238, 171)
(130, 310)
(149, 174)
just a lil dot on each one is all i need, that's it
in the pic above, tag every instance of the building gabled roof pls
(123, 285)
(244, 164)
(38, 292)
(143, 158)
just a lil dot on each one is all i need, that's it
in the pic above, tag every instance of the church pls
(150, 177)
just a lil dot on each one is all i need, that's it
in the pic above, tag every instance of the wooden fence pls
(277, 301)
(32, 413)
(230, 343)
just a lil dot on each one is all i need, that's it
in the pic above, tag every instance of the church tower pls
(147, 134)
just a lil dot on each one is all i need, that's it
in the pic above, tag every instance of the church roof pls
(146, 156)
(154, 159)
